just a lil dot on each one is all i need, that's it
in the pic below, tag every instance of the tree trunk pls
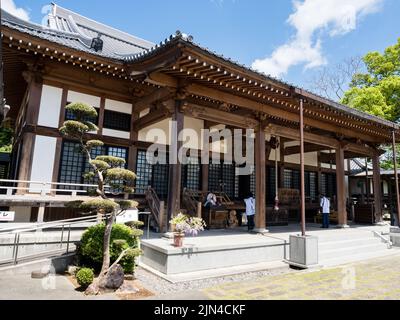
(106, 245)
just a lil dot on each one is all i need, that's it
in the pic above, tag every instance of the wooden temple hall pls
(304, 145)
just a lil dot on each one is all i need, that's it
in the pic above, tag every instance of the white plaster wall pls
(22, 214)
(116, 133)
(74, 96)
(310, 159)
(157, 133)
(192, 134)
(43, 161)
(385, 188)
(50, 106)
(118, 106)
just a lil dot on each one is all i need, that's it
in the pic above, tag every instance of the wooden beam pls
(158, 95)
(218, 116)
(331, 157)
(308, 137)
(151, 118)
(308, 147)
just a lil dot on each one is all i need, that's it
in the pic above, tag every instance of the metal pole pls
(16, 250)
(62, 237)
(396, 177)
(69, 236)
(148, 225)
(302, 184)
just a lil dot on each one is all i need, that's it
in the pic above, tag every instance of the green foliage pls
(127, 204)
(85, 277)
(96, 205)
(100, 165)
(122, 238)
(135, 224)
(74, 204)
(94, 143)
(6, 137)
(378, 90)
(81, 111)
(114, 162)
(120, 174)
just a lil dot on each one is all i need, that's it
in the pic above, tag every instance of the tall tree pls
(105, 170)
(377, 91)
(332, 82)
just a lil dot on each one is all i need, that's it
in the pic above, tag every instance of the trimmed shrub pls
(85, 277)
(122, 238)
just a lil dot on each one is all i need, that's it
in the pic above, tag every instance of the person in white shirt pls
(250, 211)
(325, 205)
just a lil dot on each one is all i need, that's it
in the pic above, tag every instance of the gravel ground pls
(159, 286)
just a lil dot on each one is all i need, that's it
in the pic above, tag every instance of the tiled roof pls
(75, 31)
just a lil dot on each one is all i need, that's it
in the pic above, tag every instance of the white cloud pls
(10, 6)
(313, 19)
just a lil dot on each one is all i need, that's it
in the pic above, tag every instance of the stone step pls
(352, 250)
(362, 256)
(332, 245)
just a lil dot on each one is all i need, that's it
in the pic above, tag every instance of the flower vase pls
(178, 239)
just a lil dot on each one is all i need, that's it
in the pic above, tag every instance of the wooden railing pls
(192, 202)
(157, 207)
(9, 188)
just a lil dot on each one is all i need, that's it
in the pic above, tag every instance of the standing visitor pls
(325, 205)
(250, 211)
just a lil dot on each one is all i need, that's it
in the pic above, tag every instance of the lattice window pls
(228, 179)
(160, 180)
(144, 172)
(3, 170)
(324, 179)
(313, 185)
(71, 166)
(253, 181)
(117, 121)
(296, 179)
(214, 177)
(271, 185)
(287, 179)
(191, 174)
(74, 164)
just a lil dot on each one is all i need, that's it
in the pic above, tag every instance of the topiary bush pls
(122, 238)
(85, 277)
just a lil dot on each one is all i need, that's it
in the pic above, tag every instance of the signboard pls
(128, 216)
(7, 216)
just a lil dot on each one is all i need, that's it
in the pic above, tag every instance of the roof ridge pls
(57, 8)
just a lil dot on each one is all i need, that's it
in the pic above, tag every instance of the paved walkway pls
(23, 287)
(375, 279)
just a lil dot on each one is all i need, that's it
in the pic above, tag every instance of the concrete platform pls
(233, 251)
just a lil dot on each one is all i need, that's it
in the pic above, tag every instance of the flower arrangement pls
(190, 226)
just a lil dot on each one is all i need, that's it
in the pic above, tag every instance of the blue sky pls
(253, 32)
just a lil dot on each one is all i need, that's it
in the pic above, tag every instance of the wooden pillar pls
(205, 167)
(341, 188)
(260, 218)
(396, 176)
(134, 138)
(175, 167)
(377, 188)
(302, 178)
(282, 163)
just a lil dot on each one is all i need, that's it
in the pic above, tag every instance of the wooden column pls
(341, 187)
(302, 178)
(133, 148)
(260, 218)
(377, 188)
(175, 169)
(396, 176)
(205, 153)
